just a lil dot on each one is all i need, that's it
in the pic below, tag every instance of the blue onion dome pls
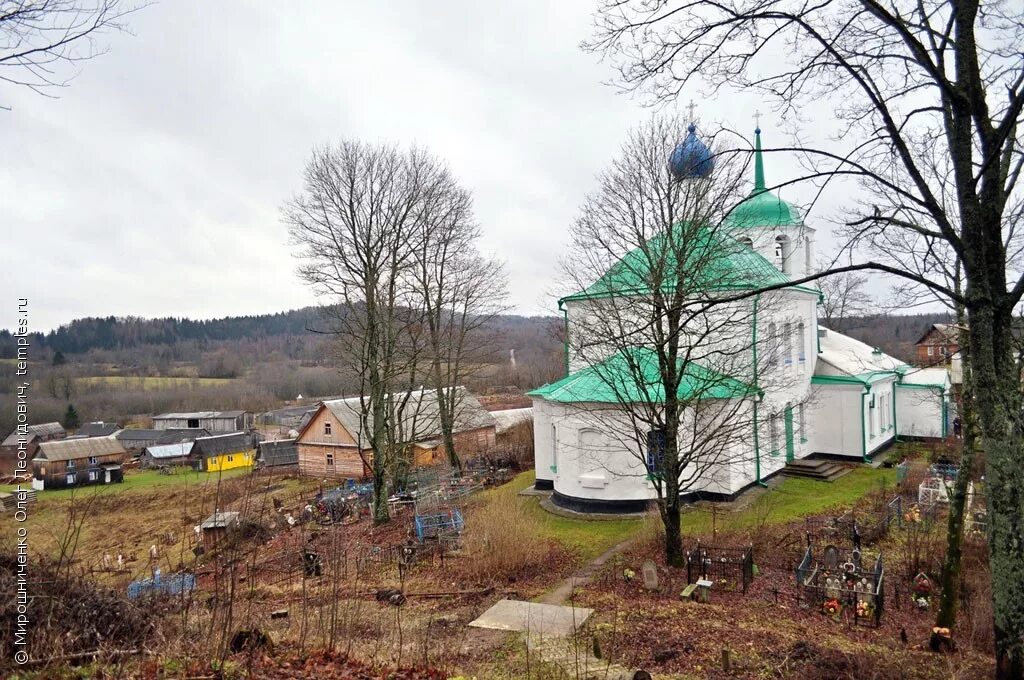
(691, 158)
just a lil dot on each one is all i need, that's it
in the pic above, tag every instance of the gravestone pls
(831, 557)
(650, 573)
(833, 587)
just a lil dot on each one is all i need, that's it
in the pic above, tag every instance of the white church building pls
(821, 393)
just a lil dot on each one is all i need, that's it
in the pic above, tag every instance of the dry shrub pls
(502, 540)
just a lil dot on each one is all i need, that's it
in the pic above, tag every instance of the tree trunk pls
(997, 396)
(380, 499)
(950, 593)
(671, 516)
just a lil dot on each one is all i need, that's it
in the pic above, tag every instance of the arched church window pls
(801, 342)
(554, 448)
(788, 336)
(655, 452)
(783, 254)
(748, 242)
(773, 434)
(773, 344)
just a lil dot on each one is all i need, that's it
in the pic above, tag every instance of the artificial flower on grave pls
(832, 607)
(913, 515)
(865, 609)
(922, 589)
(628, 574)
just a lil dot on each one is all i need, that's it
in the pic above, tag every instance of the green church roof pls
(762, 208)
(720, 263)
(633, 376)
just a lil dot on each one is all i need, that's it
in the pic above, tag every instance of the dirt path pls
(563, 591)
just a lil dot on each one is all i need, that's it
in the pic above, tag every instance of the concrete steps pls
(823, 470)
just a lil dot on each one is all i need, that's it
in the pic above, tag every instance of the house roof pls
(853, 359)
(933, 376)
(949, 331)
(717, 261)
(198, 414)
(222, 443)
(219, 520)
(162, 451)
(73, 449)
(39, 430)
(633, 376)
(420, 415)
(97, 429)
(507, 419)
(138, 434)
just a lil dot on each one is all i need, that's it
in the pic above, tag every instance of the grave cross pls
(691, 106)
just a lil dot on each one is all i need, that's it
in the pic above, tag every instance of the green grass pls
(150, 382)
(792, 499)
(138, 481)
(586, 538)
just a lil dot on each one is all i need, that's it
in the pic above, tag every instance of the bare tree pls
(358, 223)
(844, 296)
(461, 291)
(40, 40)
(676, 382)
(905, 78)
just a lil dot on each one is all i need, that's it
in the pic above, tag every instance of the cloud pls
(152, 186)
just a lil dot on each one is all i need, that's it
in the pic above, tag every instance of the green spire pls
(759, 185)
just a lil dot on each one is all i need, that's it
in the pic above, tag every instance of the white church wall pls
(835, 412)
(596, 457)
(919, 411)
(543, 439)
(878, 422)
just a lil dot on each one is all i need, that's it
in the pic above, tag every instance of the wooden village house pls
(215, 422)
(77, 462)
(938, 345)
(223, 452)
(29, 440)
(332, 444)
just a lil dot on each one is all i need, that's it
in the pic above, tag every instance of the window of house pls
(93, 475)
(71, 465)
(655, 452)
(942, 351)
(330, 460)
(231, 458)
(801, 342)
(327, 429)
(93, 460)
(931, 351)
(193, 423)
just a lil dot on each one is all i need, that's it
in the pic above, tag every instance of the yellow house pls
(224, 452)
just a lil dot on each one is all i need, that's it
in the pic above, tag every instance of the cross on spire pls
(691, 106)
(757, 119)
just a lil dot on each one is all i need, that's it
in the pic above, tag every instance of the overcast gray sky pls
(152, 185)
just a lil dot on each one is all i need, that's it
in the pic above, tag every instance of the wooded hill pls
(294, 334)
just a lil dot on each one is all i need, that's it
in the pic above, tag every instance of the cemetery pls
(305, 562)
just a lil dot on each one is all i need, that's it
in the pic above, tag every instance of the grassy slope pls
(791, 499)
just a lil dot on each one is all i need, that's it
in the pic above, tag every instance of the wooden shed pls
(223, 452)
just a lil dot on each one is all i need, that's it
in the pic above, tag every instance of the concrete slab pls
(534, 618)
